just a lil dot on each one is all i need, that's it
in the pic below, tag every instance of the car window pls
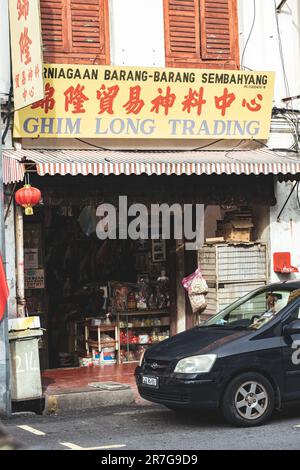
(255, 305)
(294, 295)
(295, 315)
(254, 310)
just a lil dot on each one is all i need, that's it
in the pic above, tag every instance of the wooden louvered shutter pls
(75, 31)
(54, 30)
(201, 33)
(218, 29)
(89, 31)
(183, 29)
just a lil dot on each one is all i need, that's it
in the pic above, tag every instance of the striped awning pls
(116, 162)
(13, 169)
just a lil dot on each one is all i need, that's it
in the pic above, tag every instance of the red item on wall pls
(282, 263)
(3, 289)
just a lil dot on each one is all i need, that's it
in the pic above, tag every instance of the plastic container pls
(108, 355)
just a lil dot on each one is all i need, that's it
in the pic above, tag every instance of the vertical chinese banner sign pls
(26, 51)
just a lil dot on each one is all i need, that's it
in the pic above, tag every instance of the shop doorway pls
(85, 279)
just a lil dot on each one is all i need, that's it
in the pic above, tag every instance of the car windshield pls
(254, 310)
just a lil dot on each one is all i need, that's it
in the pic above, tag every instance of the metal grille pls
(175, 397)
(154, 366)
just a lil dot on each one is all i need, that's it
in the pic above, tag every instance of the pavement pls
(80, 416)
(68, 389)
(153, 427)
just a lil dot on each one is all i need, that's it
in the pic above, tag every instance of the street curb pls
(59, 403)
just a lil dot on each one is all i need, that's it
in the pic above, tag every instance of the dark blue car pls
(245, 360)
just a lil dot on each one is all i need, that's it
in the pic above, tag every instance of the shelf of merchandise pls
(100, 345)
(136, 313)
(96, 344)
(145, 326)
(141, 344)
(126, 315)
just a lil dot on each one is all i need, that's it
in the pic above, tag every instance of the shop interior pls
(104, 302)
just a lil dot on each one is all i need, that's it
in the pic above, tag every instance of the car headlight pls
(196, 364)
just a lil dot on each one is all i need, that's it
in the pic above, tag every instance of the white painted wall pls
(285, 234)
(137, 33)
(263, 51)
(4, 50)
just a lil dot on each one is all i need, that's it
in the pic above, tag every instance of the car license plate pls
(150, 381)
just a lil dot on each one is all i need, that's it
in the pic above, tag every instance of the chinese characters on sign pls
(26, 50)
(34, 278)
(120, 102)
(74, 97)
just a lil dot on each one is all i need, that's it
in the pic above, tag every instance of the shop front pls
(104, 300)
(106, 290)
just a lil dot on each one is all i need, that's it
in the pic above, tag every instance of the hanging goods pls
(28, 197)
(197, 288)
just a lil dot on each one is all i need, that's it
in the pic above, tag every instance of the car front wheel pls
(249, 400)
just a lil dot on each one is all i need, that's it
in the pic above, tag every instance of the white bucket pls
(108, 355)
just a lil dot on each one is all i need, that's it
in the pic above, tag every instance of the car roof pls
(289, 285)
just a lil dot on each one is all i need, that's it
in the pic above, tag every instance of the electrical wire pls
(274, 151)
(290, 149)
(286, 83)
(233, 149)
(296, 185)
(298, 197)
(92, 145)
(250, 33)
(248, 68)
(137, 150)
(270, 152)
(294, 128)
(9, 114)
(207, 145)
(294, 115)
(291, 116)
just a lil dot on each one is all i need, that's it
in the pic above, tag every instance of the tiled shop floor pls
(77, 379)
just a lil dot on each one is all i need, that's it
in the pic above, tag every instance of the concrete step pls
(82, 400)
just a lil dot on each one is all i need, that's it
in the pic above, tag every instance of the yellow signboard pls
(26, 51)
(125, 102)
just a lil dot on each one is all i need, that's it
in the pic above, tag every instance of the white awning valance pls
(116, 162)
(13, 169)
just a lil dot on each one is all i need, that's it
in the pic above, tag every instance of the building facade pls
(249, 177)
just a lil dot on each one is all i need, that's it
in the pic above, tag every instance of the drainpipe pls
(20, 262)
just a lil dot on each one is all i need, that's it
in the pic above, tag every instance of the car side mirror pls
(292, 328)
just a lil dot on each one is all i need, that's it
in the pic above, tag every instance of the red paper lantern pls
(28, 197)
